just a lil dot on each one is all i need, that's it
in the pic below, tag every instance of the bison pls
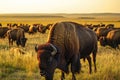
(110, 26)
(25, 27)
(3, 31)
(17, 35)
(32, 29)
(112, 39)
(43, 28)
(102, 31)
(68, 42)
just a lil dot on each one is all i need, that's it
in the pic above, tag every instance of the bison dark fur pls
(68, 42)
(3, 32)
(17, 35)
(112, 39)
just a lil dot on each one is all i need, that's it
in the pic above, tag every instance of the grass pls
(14, 66)
(25, 67)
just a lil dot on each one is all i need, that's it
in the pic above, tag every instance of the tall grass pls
(15, 66)
(25, 67)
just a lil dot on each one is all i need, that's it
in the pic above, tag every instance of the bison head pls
(23, 41)
(102, 41)
(47, 58)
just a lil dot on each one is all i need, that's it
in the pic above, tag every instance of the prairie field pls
(15, 66)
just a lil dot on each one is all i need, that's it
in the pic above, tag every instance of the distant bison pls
(18, 36)
(102, 31)
(110, 26)
(112, 39)
(68, 42)
(42, 29)
(32, 29)
(25, 27)
(3, 31)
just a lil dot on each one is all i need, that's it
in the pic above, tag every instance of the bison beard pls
(67, 43)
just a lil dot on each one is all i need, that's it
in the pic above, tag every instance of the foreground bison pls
(112, 39)
(68, 42)
(17, 35)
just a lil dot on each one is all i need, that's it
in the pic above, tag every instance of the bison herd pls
(16, 32)
(107, 35)
(68, 42)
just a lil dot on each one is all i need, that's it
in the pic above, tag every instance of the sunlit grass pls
(15, 66)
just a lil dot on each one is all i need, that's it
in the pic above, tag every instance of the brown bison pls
(112, 39)
(32, 29)
(102, 31)
(3, 31)
(43, 28)
(17, 35)
(25, 27)
(110, 26)
(68, 42)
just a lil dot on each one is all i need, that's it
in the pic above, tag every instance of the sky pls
(59, 6)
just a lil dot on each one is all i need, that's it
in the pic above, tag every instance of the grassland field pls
(14, 66)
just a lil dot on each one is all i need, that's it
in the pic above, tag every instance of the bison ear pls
(36, 47)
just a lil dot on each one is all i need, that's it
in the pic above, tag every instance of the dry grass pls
(25, 67)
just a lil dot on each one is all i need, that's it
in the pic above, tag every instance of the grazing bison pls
(110, 26)
(102, 25)
(42, 29)
(25, 27)
(112, 39)
(68, 42)
(102, 31)
(3, 31)
(32, 29)
(18, 36)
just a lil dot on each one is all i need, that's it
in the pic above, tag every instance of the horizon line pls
(68, 13)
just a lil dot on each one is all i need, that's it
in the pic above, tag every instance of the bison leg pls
(89, 61)
(73, 76)
(75, 66)
(94, 61)
(18, 42)
(62, 76)
(10, 42)
(115, 45)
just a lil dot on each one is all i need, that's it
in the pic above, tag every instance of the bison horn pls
(54, 49)
(36, 47)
